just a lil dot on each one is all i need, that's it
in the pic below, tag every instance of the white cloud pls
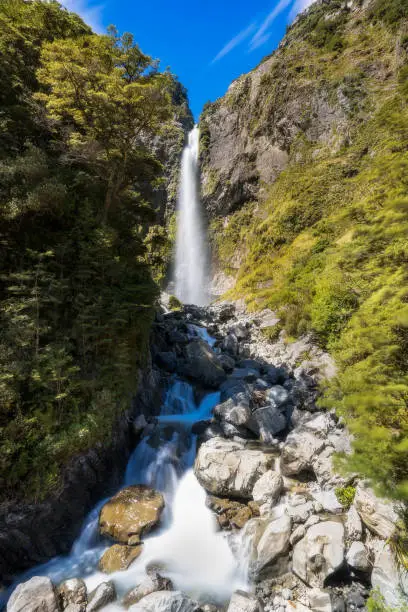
(234, 42)
(91, 14)
(261, 35)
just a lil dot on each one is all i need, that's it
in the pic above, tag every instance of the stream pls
(187, 546)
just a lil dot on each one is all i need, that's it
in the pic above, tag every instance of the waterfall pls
(191, 266)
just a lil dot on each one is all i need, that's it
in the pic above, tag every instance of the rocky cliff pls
(304, 180)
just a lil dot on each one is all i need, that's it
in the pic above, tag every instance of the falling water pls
(191, 268)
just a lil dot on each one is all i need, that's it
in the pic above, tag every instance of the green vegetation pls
(174, 303)
(78, 235)
(328, 249)
(345, 495)
(376, 603)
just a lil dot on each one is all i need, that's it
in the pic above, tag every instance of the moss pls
(174, 303)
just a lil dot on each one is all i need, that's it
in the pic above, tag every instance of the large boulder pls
(201, 364)
(236, 412)
(133, 511)
(320, 553)
(118, 557)
(377, 514)
(267, 542)
(166, 601)
(104, 594)
(357, 557)
(299, 452)
(244, 602)
(229, 468)
(386, 577)
(267, 490)
(266, 422)
(35, 595)
(72, 593)
(151, 584)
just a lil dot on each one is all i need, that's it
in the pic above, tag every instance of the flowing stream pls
(191, 265)
(192, 552)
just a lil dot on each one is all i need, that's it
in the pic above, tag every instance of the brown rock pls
(132, 512)
(230, 514)
(118, 557)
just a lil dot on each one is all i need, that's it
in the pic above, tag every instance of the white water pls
(191, 265)
(197, 557)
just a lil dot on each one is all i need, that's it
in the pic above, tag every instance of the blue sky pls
(206, 43)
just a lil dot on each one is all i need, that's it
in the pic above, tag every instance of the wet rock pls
(72, 592)
(35, 595)
(202, 364)
(118, 557)
(166, 601)
(244, 602)
(240, 331)
(266, 422)
(357, 557)
(230, 514)
(166, 360)
(377, 514)
(274, 541)
(246, 374)
(267, 489)
(103, 595)
(250, 363)
(153, 582)
(274, 375)
(133, 511)
(229, 468)
(235, 389)
(320, 553)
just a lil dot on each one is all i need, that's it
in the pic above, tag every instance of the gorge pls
(174, 452)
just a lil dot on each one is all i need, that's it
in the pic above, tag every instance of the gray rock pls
(378, 515)
(320, 553)
(104, 594)
(229, 468)
(240, 331)
(297, 534)
(246, 374)
(166, 601)
(301, 512)
(266, 422)
(274, 541)
(230, 345)
(299, 452)
(35, 595)
(328, 501)
(152, 583)
(353, 525)
(386, 577)
(202, 364)
(244, 602)
(357, 557)
(319, 600)
(227, 362)
(222, 312)
(237, 413)
(72, 592)
(277, 396)
(274, 375)
(268, 489)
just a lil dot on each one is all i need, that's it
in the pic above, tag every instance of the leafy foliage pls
(77, 235)
(345, 495)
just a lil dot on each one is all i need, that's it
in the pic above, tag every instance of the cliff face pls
(304, 165)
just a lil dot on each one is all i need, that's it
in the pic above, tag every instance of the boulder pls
(222, 312)
(320, 553)
(274, 375)
(166, 601)
(319, 600)
(299, 451)
(35, 595)
(353, 525)
(278, 396)
(240, 331)
(227, 362)
(100, 597)
(357, 557)
(266, 422)
(377, 514)
(237, 412)
(230, 514)
(246, 374)
(267, 489)
(274, 541)
(72, 592)
(244, 602)
(230, 345)
(235, 389)
(229, 468)
(297, 534)
(133, 511)
(202, 364)
(118, 557)
(153, 582)
(386, 578)
(300, 513)
(328, 501)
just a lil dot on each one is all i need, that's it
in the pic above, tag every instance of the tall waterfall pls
(191, 266)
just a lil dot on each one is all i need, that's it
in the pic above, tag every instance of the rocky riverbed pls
(307, 538)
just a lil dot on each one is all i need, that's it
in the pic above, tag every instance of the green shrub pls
(174, 303)
(345, 495)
